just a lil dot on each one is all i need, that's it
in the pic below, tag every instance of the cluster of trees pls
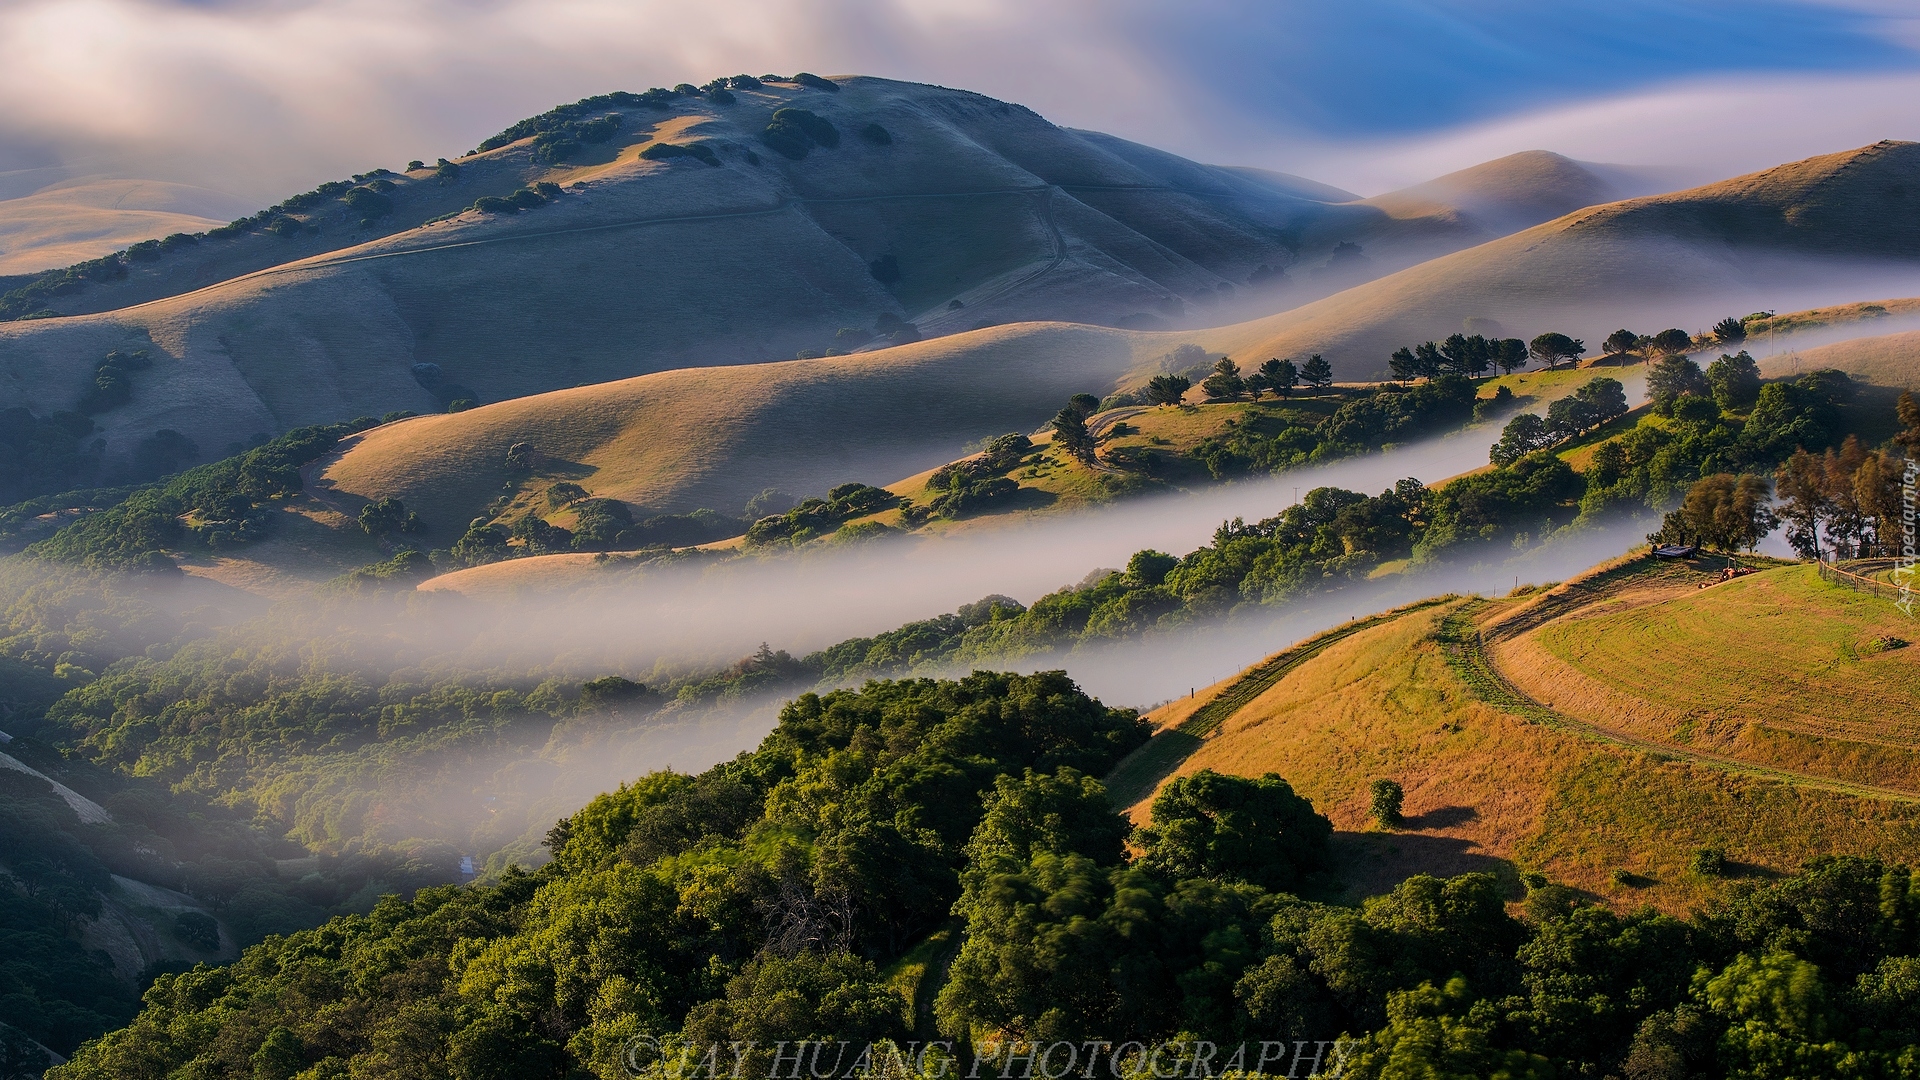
(1468, 356)
(1590, 406)
(1853, 497)
(531, 197)
(971, 484)
(1367, 420)
(817, 516)
(1654, 463)
(668, 151)
(1273, 375)
(760, 901)
(227, 503)
(112, 383)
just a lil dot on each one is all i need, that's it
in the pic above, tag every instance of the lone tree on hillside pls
(1316, 372)
(1552, 349)
(1084, 404)
(1620, 342)
(1387, 799)
(1669, 342)
(1730, 331)
(1225, 383)
(1070, 434)
(1168, 389)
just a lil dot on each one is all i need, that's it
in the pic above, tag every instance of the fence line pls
(1859, 583)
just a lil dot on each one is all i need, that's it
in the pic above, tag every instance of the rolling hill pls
(1680, 718)
(683, 238)
(75, 218)
(1825, 230)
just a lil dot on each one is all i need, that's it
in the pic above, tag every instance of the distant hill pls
(1884, 360)
(684, 238)
(1822, 230)
(49, 219)
(1504, 195)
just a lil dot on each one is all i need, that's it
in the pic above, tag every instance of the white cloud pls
(1694, 133)
(266, 99)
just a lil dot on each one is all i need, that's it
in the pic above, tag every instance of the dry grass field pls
(1512, 789)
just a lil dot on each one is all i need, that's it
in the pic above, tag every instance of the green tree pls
(1084, 404)
(1403, 365)
(388, 517)
(1553, 349)
(1509, 355)
(1523, 435)
(1316, 372)
(1070, 434)
(1735, 381)
(1386, 798)
(1279, 376)
(1167, 389)
(1225, 383)
(1671, 377)
(1621, 342)
(1730, 331)
(1234, 829)
(1669, 342)
(1805, 501)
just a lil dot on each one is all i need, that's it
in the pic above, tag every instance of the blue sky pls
(1405, 66)
(263, 98)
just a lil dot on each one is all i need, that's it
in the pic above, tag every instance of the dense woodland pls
(776, 896)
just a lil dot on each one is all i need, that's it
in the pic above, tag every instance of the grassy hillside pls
(1890, 360)
(1584, 789)
(934, 207)
(1681, 258)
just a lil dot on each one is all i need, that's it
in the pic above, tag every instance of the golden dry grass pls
(1886, 360)
(1488, 789)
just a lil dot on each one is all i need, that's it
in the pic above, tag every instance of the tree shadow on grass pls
(1443, 817)
(1369, 863)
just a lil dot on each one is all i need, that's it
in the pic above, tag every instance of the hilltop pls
(637, 233)
(1598, 732)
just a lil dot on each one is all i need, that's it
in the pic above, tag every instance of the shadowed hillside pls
(680, 230)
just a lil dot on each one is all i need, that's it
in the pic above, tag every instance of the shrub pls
(720, 96)
(1708, 862)
(198, 930)
(885, 269)
(371, 205)
(669, 151)
(112, 384)
(1486, 408)
(793, 132)
(565, 493)
(815, 82)
(493, 204)
(877, 135)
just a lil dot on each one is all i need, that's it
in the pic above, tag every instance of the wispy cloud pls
(267, 97)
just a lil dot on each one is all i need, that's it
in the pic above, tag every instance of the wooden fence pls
(1861, 583)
